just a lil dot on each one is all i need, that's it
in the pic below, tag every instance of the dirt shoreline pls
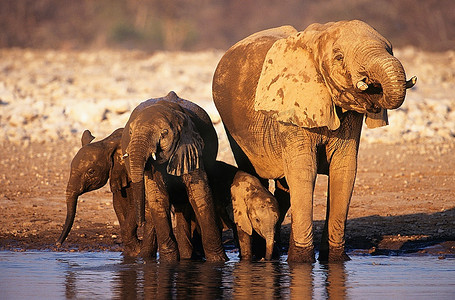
(403, 201)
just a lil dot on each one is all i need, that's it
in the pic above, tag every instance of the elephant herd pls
(292, 104)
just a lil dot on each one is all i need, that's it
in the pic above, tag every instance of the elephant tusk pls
(153, 155)
(411, 82)
(361, 85)
(125, 155)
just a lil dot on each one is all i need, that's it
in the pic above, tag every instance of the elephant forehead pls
(356, 33)
(87, 156)
(243, 188)
(148, 123)
(263, 202)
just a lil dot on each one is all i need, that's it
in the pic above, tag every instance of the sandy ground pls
(403, 202)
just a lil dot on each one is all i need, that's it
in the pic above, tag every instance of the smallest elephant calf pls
(254, 208)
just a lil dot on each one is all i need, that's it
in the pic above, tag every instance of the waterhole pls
(108, 275)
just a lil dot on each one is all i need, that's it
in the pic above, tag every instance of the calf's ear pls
(87, 137)
(239, 191)
(188, 153)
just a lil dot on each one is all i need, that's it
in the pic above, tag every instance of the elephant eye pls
(164, 133)
(91, 172)
(339, 57)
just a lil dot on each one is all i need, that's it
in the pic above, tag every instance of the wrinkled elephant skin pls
(303, 96)
(91, 167)
(168, 143)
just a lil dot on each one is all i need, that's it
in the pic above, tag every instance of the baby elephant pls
(91, 168)
(256, 209)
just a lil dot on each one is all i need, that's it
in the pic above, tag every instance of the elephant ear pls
(118, 177)
(87, 137)
(377, 120)
(290, 88)
(239, 191)
(188, 153)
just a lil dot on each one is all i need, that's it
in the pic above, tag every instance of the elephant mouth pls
(371, 97)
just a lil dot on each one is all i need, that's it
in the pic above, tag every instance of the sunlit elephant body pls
(254, 209)
(244, 205)
(91, 167)
(169, 145)
(293, 104)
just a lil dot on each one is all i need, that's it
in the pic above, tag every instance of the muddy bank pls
(403, 202)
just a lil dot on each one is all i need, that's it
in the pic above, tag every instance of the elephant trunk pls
(71, 203)
(269, 243)
(138, 151)
(387, 77)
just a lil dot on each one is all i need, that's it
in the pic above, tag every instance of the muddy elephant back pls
(237, 74)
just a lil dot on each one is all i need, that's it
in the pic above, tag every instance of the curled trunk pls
(388, 78)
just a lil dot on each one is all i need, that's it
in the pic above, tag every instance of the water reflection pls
(266, 279)
(188, 280)
(335, 280)
(301, 283)
(184, 280)
(107, 275)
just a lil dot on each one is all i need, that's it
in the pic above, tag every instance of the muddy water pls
(107, 275)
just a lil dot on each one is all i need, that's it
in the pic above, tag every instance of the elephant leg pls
(120, 206)
(341, 184)
(127, 222)
(200, 197)
(182, 230)
(149, 243)
(158, 201)
(300, 172)
(245, 245)
(283, 198)
(299, 254)
(342, 173)
(131, 243)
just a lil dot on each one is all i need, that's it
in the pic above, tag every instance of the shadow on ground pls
(395, 235)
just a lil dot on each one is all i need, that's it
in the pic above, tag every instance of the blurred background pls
(200, 24)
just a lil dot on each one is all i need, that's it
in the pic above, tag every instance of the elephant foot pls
(132, 249)
(216, 257)
(301, 254)
(166, 256)
(246, 256)
(148, 252)
(148, 255)
(168, 252)
(334, 254)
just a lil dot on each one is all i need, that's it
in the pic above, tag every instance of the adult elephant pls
(293, 104)
(169, 143)
(91, 167)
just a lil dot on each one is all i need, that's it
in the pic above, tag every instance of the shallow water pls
(107, 275)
